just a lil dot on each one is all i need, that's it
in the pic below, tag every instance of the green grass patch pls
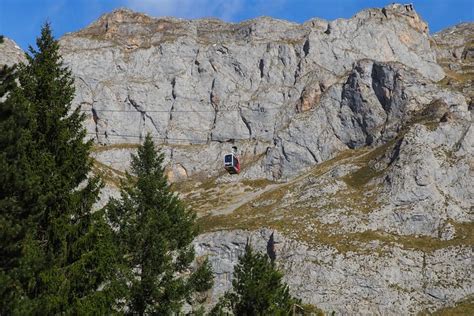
(298, 218)
(367, 172)
(102, 148)
(258, 183)
(108, 174)
(308, 309)
(298, 221)
(462, 308)
(362, 176)
(457, 77)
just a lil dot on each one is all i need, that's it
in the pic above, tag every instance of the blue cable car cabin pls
(231, 163)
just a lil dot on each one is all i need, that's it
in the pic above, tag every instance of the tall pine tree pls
(155, 231)
(59, 254)
(17, 181)
(258, 289)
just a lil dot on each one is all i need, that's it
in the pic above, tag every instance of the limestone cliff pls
(356, 138)
(209, 82)
(10, 53)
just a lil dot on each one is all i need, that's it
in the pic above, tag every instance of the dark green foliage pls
(258, 289)
(1, 39)
(16, 182)
(7, 80)
(56, 253)
(202, 279)
(155, 231)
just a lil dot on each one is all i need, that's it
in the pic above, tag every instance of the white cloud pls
(224, 9)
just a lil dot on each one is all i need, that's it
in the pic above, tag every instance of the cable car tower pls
(231, 162)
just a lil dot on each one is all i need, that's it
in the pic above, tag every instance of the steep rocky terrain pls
(455, 52)
(10, 53)
(356, 139)
(209, 82)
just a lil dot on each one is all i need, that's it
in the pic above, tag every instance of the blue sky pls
(21, 19)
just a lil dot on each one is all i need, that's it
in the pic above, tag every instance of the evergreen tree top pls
(57, 251)
(147, 161)
(258, 288)
(155, 231)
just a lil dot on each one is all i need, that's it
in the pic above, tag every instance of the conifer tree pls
(8, 76)
(58, 253)
(258, 289)
(15, 170)
(155, 231)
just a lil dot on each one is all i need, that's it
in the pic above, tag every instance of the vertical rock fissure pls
(95, 118)
(170, 116)
(458, 144)
(209, 136)
(215, 106)
(261, 67)
(306, 47)
(423, 273)
(312, 154)
(247, 123)
(144, 115)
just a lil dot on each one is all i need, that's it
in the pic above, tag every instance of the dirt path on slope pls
(243, 199)
(248, 197)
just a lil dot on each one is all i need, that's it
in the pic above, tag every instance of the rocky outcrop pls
(10, 53)
(388, 280)
(455, 52)
(367, 108)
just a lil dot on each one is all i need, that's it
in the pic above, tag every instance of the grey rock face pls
(10, 53)
(208, 82)
(455, 52)
(391, 281)
(369, 108)
(455, 43)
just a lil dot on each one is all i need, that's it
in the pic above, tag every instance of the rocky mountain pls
(355, 135)
(10, 53)
(209, 82)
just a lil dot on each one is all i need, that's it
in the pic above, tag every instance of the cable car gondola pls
(231, 162)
